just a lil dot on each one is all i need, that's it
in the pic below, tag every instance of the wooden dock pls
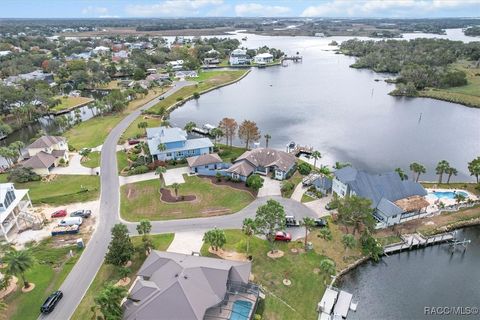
(299, 150)
(416, 241)
(293, 58)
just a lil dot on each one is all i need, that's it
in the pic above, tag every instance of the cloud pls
(173, 8)
(255, 9)
(385, 7)
(90, 10)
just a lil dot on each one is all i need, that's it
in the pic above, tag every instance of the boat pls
(244, 39)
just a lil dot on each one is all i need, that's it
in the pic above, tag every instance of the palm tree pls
(401, 173)
(162, 147)
(327, 266)
(143, 125)
(216, 133)
(160, 171)
(348, 241)
(316, 155)
(175, 187)
(189, 126)
(267, 138)
(442, 166)
(108, 300)
(459, 197)
(18, 262)
(451, 171)
(248, 228)
(308, 223)
(417, 168)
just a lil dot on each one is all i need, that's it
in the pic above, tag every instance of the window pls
(169, 154)
(393, 217)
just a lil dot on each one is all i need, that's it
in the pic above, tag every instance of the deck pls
(415, 241)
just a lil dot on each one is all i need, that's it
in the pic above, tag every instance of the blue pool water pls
(241, 310)
(447, 194)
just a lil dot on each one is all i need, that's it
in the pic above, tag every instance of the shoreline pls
(63, 111)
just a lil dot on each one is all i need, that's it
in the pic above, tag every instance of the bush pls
(179, 98)
(218, 175)
(304, 168)
(255, 182)
(21, 175)
(196, 95)
(287, 186)
(133, 157)
(139, 170)
(155, 164)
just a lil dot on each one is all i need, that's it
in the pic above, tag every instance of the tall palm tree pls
(459, 197)
(441, 168)
(418, 169)
(451, 171)
(308, 223)
(401, 173)
(19, 262)
(143, 125)
(348, 241)
(327, 266)
(162, 147)
(160, 171)
(189, 126)
(316, 155)
(175, 187)
(267, 139)
(248, 228)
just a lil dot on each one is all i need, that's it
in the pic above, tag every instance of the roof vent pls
(185, 277)
(176, 275)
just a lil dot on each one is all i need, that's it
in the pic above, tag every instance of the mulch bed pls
(235, 185)
(168, 197)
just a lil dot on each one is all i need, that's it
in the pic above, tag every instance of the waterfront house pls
(263, 58)
(239, 57)
(179, 286)
(263, 161)
(14, 207)
(322, 183)
(176, 65)
(394, 200)
(206, 164)
(173, 144)
(45, 153)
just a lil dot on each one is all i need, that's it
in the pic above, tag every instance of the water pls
(402, 285)
(447, 194)
(241, 310)
(342, 112)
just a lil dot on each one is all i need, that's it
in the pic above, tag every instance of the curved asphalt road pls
(79, 279)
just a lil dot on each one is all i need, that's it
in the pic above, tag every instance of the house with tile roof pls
(46, 153)
(179, 286)
(394, 200)
(281, 165)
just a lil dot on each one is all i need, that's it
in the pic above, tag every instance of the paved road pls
(82, 275)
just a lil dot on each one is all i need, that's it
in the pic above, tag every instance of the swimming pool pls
(241, 310)
(447, 194)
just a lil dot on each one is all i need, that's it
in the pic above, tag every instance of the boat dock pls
(335, 304)
(416, 240)
(205, 130)
(296, 58)
(299, 150)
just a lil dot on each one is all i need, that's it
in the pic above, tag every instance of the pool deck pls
(446, 201)
(225, 311)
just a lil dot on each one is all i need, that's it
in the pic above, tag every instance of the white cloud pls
(384, 7)
(173, 8)
(90, 10)
(255, 9)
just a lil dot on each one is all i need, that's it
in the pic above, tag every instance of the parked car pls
(133, 142)
(290, 221)
(321, 223)
(51, 302)
(81, 213)
(59, 213)
(283, 236)
(70, 221)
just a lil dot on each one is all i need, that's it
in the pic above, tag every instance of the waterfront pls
(402, 285)
(342, 112)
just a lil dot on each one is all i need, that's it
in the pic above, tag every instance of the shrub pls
(255, 182)
(133, 157)
(287, 186)
(304, 168)
(179, 98)
(196, 95)
(218, 175)
(21, 175)
(139, 170)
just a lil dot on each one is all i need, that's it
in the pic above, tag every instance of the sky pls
(238, 8)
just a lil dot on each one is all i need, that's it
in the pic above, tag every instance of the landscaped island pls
(435, 68)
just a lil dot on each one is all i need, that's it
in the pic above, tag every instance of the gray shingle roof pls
(46, 142)
(204, 159)
(179, 286)
(266, 157)
(243, 168)
(41, 160)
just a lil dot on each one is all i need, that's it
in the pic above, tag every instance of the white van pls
(70, 221)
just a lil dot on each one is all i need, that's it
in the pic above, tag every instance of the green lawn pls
(141, 200)
(108, 273)
(296, 179)
(122, 161)
(93, 160)
(134, 131)
(306, 289)
(228, 153)
(307, 198)
(51, 268)
(62, 190)
(70, 102)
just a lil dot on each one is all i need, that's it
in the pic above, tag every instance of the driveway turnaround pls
(270, 187)
(84, 271)
(187, 242)
(75, 167)
(175, 176)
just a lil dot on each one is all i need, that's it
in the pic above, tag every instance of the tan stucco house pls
(46, 153)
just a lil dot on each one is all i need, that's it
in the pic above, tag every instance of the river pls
(402, 285)
(342, 112)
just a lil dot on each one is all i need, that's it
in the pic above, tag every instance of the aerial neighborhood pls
(206, 168)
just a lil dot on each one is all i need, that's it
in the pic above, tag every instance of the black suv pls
(321, 223)
(81, 213)
(51, 302)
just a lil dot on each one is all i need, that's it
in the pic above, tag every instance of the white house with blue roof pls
(394, 200)
(173, 144)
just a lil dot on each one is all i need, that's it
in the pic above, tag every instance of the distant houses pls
(46, 153)
(174, 144)
(37, 75)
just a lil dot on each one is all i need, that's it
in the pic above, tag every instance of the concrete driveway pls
(187, 242)
(270, 187)
(318, 206)
(175, 176)
(75, 167)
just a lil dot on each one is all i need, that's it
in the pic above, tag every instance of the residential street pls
(82, 275)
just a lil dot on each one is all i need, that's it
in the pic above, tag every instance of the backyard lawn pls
(70, 102)
(307, 286)
(93, 160)
(228, 153)
(109, 273)
(141, 200)
(51, 268)
(62, 189)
